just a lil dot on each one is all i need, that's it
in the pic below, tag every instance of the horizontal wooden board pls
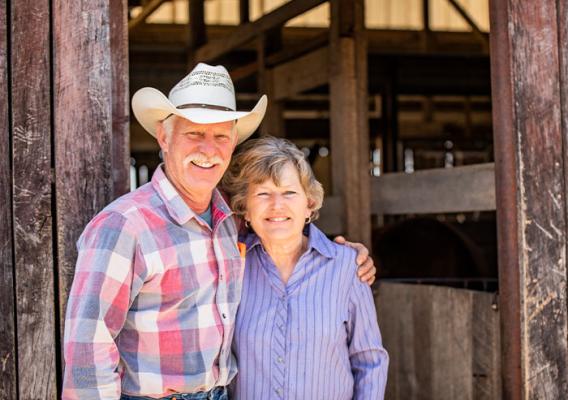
(444, 190)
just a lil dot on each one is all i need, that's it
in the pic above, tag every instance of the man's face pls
(196, 155)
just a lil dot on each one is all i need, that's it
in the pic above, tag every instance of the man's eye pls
(289, 193)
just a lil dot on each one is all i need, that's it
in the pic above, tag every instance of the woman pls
(306, 326)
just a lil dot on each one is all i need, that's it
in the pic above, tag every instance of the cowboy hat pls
(205, 96)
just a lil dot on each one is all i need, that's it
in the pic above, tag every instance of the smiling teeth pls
(203, 164)
(278, 219)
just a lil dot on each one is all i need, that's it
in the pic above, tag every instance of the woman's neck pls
(285, 254)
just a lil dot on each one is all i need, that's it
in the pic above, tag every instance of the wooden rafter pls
(476, 30)
(147, 10)
(247, 32)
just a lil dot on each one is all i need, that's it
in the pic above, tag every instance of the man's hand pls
(366, 270)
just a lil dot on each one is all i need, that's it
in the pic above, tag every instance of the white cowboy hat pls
(205, 96)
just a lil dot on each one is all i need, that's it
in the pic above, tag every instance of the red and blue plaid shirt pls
(152, 307)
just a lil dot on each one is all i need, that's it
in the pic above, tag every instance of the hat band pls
(210, 106)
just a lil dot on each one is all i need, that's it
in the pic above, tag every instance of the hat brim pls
(151, 106)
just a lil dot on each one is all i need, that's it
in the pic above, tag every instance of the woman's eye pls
(262, 194)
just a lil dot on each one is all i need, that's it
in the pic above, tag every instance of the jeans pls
(218, 393)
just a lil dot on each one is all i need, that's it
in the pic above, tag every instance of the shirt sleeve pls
(369, 360)
(96, 310)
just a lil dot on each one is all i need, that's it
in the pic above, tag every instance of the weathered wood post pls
(64, 130)
(349, 122)
(530, 117)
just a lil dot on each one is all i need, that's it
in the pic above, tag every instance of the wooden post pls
(530, 124)
(83, 121)
(268, 43)
(244, 11)
(120, 97)
(198, 33)
(32, 198)
(349, 124)
(8, 376)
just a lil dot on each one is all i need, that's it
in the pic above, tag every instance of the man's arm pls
(369, 360)
(366, 267)
(98, 303)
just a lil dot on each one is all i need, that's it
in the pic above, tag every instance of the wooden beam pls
(349, 123)
(198, 33)
(8, 374)
(476, 31)
(147, 10)
(83, 120)
(435, 191)
(530, 114)
(247, 32)
(120, 97)
(244, 12)
(32, 198)
(304, 73)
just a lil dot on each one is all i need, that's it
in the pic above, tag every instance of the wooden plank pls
(8, 376)
(437, 339)
(198, 33)
(304, 73)
(268, 43)
(31, 158)
(247, 32)
(532, 71)
(440, 190)
(484, 37)
(82, 124)
(120, 97)
(349, 124)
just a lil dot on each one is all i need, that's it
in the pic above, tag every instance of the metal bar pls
(506, 198)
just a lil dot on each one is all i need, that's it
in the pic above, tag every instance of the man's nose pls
(207, 147)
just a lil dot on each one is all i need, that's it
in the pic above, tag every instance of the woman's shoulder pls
(343, 256)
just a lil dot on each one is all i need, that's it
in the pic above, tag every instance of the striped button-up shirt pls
(316, 337)
(152, 307)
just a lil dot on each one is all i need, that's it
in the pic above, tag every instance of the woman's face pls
(278, 212)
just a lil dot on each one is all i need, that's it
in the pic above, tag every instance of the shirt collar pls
(316, 241)
(178, 208)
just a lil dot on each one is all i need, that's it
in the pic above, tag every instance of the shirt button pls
(280, 360)
(279, 391)
(224, 316)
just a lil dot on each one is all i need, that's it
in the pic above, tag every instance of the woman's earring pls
(247, 224)
(308, 220)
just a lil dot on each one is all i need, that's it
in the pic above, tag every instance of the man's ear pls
(162, 136)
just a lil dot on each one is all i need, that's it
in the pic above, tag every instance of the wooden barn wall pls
(530, 114)
(64, 108)
(444, 343)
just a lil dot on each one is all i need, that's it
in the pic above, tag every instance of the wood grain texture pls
(440, 190)
(83, 105)
(8, 376)
(33, 250)
(541, 173)
(443, 342)
(348, 117)
(120, 97)
(304, 73)
(247, 32)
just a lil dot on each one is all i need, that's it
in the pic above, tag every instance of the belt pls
(212, 394)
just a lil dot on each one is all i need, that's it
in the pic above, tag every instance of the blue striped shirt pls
(316, 337)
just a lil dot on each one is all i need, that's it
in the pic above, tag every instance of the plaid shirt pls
(152, 307)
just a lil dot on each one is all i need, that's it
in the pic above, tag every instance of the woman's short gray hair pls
(258, 160)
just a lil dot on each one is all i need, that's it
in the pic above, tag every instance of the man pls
(158, 277)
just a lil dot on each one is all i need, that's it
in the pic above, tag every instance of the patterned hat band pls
(209, 106)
